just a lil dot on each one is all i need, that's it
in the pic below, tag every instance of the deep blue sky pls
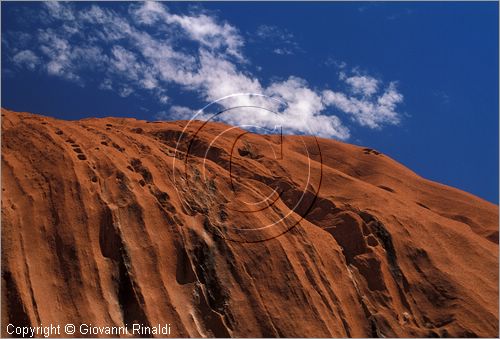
(443, 57)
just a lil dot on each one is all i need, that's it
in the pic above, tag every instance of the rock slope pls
(225, 233)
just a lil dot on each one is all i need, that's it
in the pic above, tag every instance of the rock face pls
(220, 232)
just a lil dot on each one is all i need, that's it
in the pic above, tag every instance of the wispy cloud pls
(26, 58)
(364, 85)
(282, 41)
(204, 29)
(145, 50)
(370, 111)
(177, 112)
(442, 96)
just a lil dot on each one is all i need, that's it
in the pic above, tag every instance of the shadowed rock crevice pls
(112, 246)
(131, 303)
(142, 170)
(110, 241)
(184, 272)
(17, 314)
(212, 298)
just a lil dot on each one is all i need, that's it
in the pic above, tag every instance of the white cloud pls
(58, 52)
(123, 59)
(106, 84)
(149, 12)
(198, 27)
(331, 61)
(27, 59)
(372, 112)
(178, 112)
(304, 110)
(59, 10)
(210, 34)
(282, 51)
(125, 91)
(365, 85)
(163, 98)
(271, 32)
(131, 58)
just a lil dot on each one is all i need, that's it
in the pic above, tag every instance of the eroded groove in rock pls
(131, 303)
(17, 314)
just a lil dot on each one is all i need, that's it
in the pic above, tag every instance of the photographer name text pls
(87, 330)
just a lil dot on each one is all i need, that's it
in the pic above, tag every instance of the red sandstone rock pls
(111, 221)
